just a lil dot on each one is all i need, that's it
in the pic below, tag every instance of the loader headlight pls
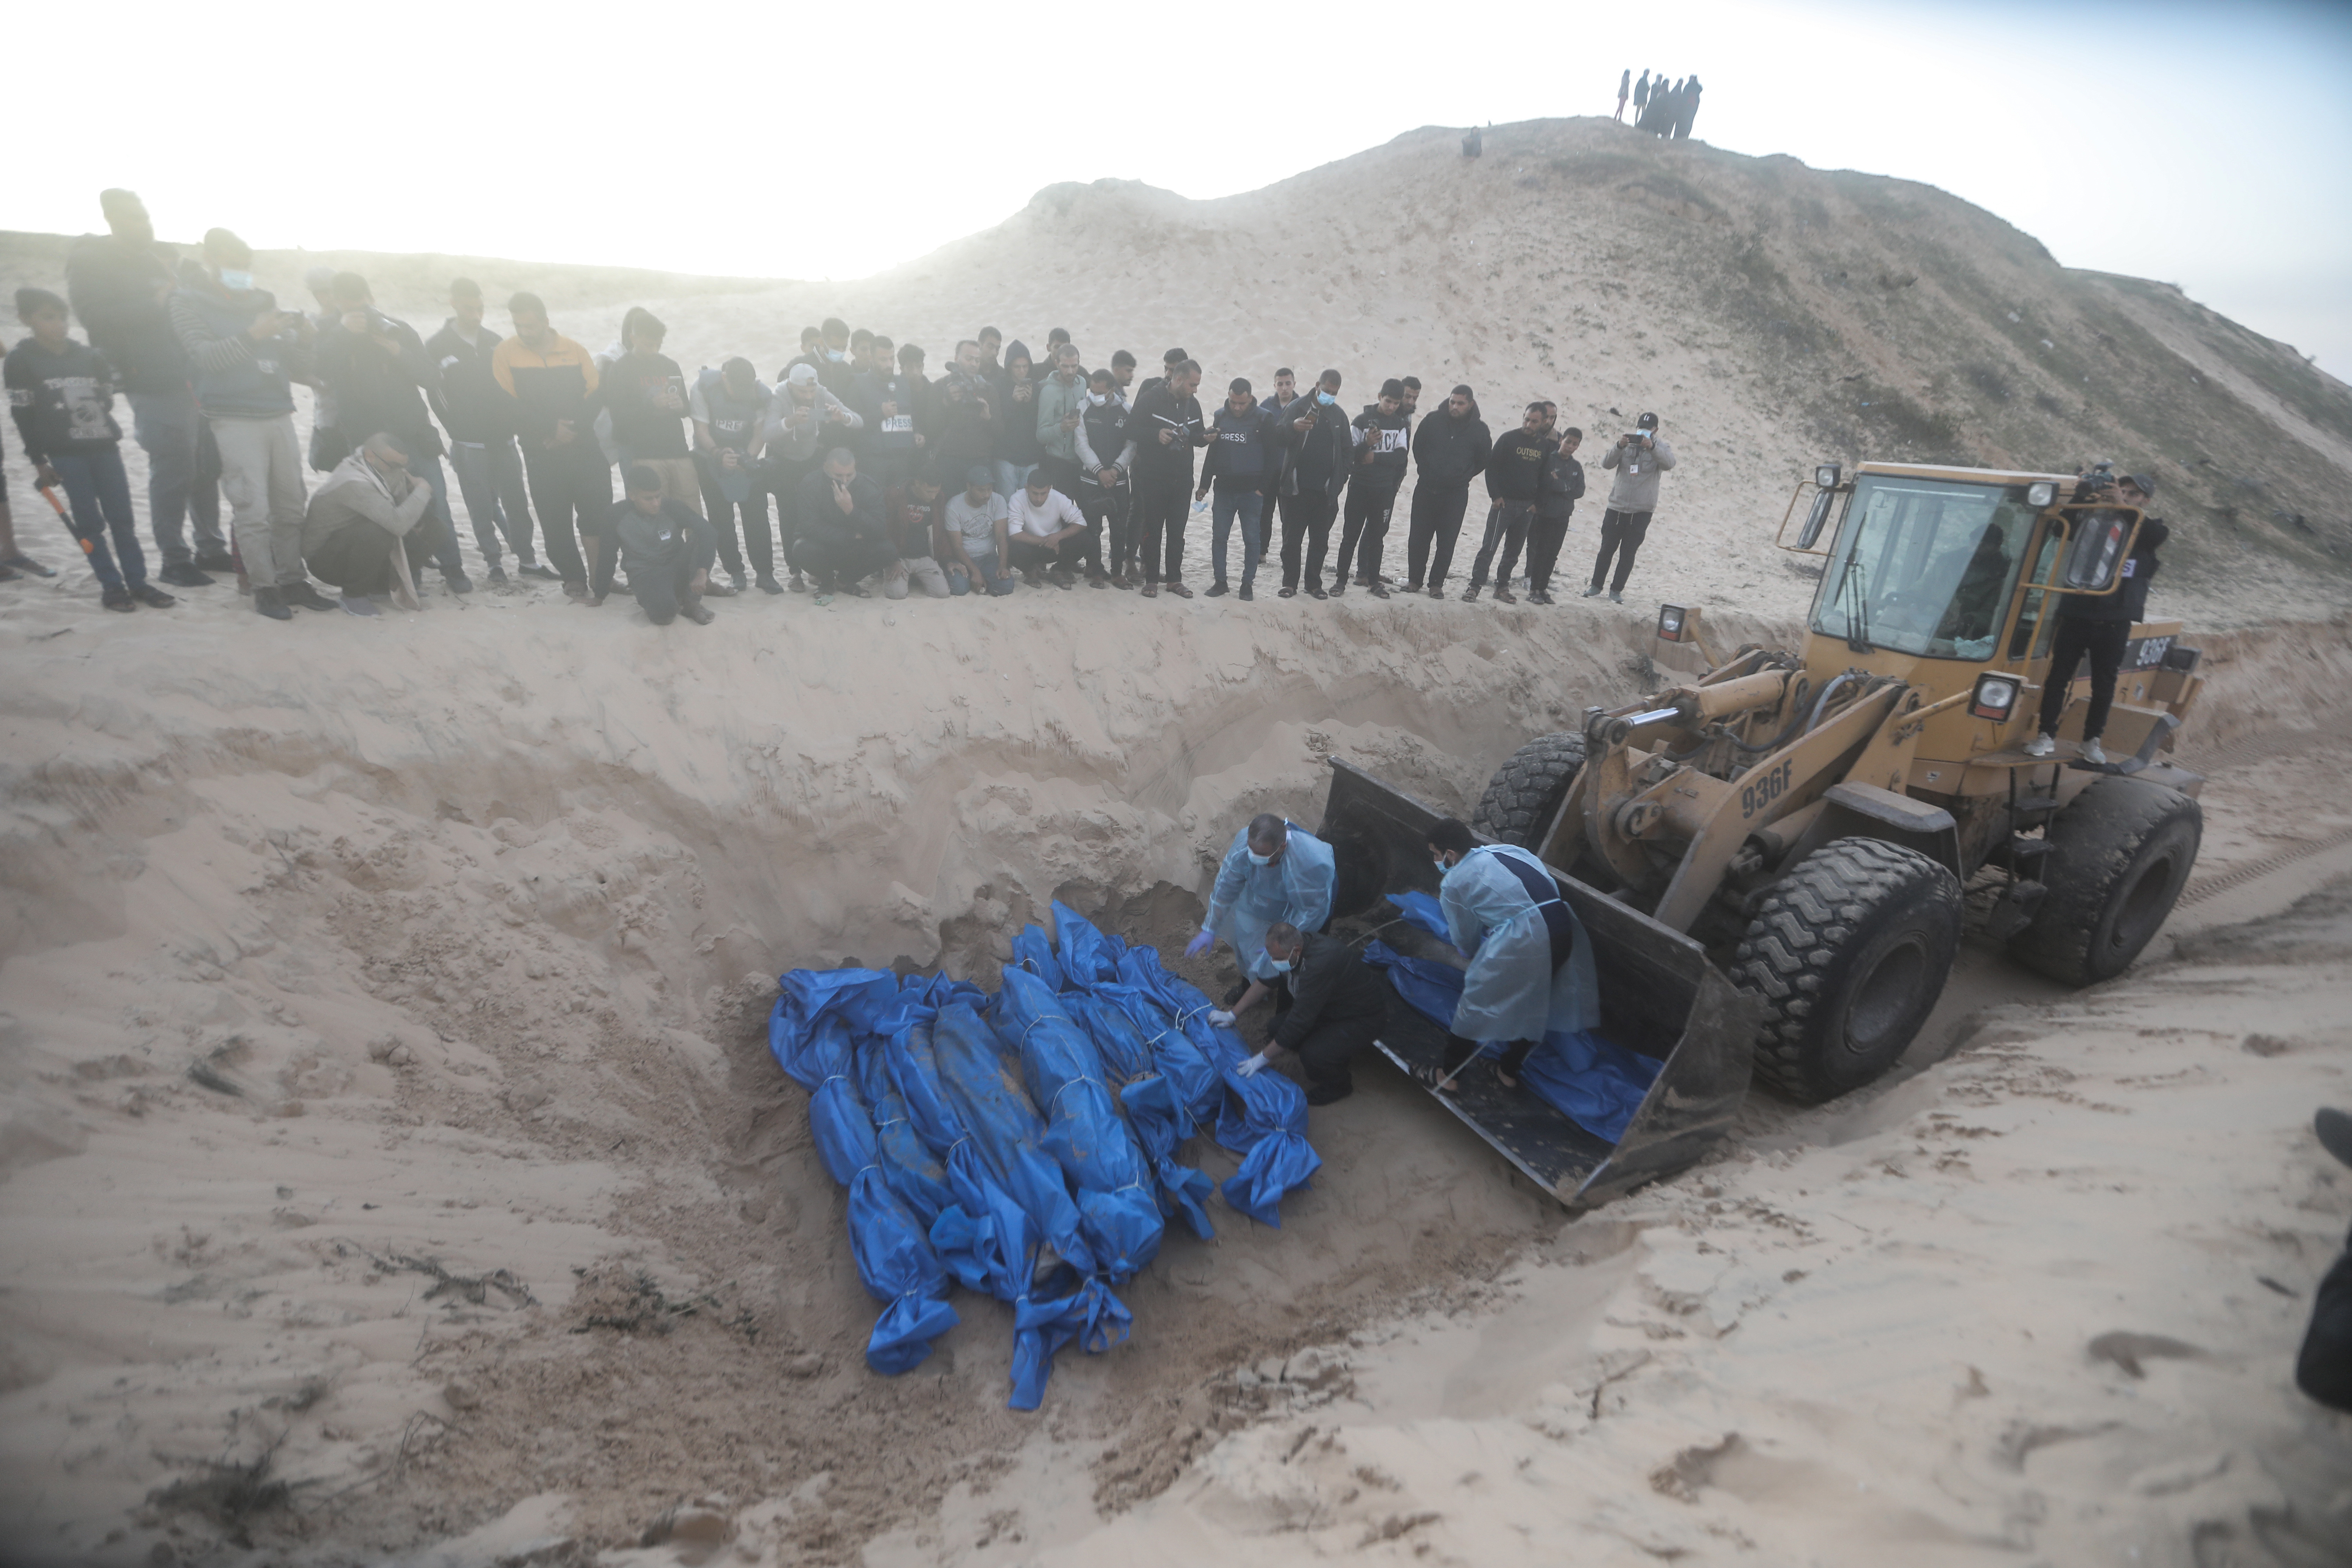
(1995, 697)
(1671, 618)
(1828, 475)
(2040, 495)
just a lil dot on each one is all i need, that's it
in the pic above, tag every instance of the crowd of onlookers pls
(1660, 108)
(853, 467)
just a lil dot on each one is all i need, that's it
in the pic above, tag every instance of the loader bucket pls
(1659, 996)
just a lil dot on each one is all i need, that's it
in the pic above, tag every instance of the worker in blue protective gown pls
(1276, 870)
(1531, 970)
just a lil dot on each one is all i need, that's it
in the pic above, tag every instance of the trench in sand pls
(329, 996)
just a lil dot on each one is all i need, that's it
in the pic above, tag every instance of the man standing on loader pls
(1525, 980)
(2099, 624)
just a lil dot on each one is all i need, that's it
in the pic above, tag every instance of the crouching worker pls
(362, 532)
(1328, 1006)
(1275, 871)
(668, 549)
(1527, 976)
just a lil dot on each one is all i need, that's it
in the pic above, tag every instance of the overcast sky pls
(2205, 145)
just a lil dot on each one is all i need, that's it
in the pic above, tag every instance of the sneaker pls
(183, 574)
(213, 559)
(768, 584)
(742, 585)
(1537, 596)
(695, 610)
(152, 596)
(498, 576)
(1329, 1093)
(1593, 592)
(302, 595)
(1505, 597)
(1470, 594)
(1178, 589)
(360, 605)
(266, 602)
(1245, 596)
(458, 581)
(544, 573)
(2041, 746)
(1217, 590)
(2095, 753)
(1379, 591)
(1615, 597)
(118, 599)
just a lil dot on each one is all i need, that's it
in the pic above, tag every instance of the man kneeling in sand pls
(1328, 1006)
(361, 532)
(668, 549)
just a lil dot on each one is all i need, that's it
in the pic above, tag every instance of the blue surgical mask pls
(1257, 859)
(1325, 398)
(832, 354)
(1440, 864)
(1279, 965)
(235, 281)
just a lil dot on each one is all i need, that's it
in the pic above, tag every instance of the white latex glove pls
(1219, 1018)
(1250, 1067)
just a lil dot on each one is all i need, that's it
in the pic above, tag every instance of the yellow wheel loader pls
(1772, 859)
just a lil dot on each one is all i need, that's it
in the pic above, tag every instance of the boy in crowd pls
(61, 393)
(667, 548)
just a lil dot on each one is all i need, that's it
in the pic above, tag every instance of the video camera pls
(2097, 484)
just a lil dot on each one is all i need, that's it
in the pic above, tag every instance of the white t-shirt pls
(977, 524)
(1040, 521)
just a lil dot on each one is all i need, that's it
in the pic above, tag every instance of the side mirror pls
(2097, 551)
(1816, 519)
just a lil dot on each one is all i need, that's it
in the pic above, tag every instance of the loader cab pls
(1938, 574)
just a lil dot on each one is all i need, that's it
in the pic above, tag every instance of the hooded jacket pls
(1563, 484)
(1055, 401)
(236, 377)
(63, 403)
(1103, 439)
(1322, 455)
(1018, 439)
(967, 408)
(474, 407)
(1638, 469)
(814, 435)
(353, 493)
(379, 391)
(1451, 452)
(116, 292)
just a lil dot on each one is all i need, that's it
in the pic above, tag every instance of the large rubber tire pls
(2121, 852)
(1527, 790)
(1849, 952)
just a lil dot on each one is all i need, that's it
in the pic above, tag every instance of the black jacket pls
(819, 518)
(474, 407)
(63, 403)
(1563, 485)
(375, 390)
(1017, 425)
(647, 397)
(2129, 602)
(965, 410)
(1514, 468)
(1450, 451)
(1322, 455)
(117, 292)
(1158, 410)
(1330, 985)
(1388, 436)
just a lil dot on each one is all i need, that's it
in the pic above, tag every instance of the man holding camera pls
(1638, 458)
(2099, 626)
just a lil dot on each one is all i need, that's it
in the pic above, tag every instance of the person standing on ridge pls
(1383, 450)
(1641, 98)
(1165, 427)
(1322, 451)
(1241, 465)
(1514, 481)
(1563, 487)
(552, 381)
(1685, 108)
(1624, 84)
(1638, 458)
(481, 420)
